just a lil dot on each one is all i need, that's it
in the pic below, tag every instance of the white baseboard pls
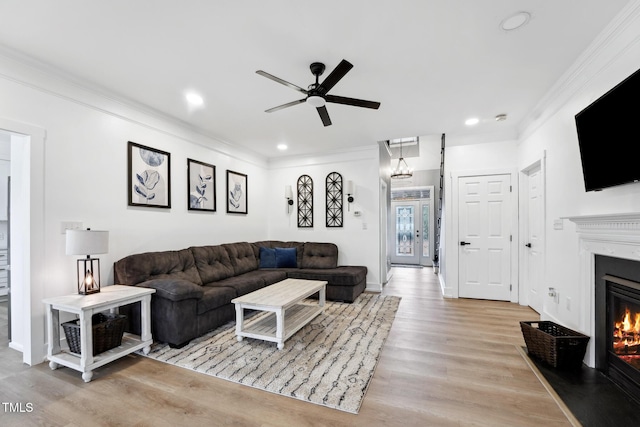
(373, 287)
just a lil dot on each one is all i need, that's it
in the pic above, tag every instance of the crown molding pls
(27, 71)
(594, 61)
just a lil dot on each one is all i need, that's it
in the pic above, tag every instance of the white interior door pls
(534, 241)
(484, 230)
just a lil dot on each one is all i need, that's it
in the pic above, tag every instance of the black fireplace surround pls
(617, 302)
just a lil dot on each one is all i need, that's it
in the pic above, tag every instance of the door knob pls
(464, 243)
(528, 245)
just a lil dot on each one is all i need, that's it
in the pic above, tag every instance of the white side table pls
(85, 306)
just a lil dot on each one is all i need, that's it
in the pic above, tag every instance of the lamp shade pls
(87, 242)
(349, 187)
(288, 193)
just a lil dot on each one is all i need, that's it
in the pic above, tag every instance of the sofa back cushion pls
(319, 255)
(212, 262)
(139, 268)
(242, 256)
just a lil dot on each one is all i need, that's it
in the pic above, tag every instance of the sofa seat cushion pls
(214, 297)
(242, 284)
(339, 276)
(270, 276)
(174, 289)
(242, 256)
(319, 255)
(212, 262)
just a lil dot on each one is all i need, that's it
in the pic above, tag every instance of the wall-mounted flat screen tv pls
(609, 136)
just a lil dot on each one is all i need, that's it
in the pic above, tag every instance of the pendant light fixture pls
(402, 170)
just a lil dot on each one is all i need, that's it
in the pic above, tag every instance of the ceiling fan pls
(317, 93)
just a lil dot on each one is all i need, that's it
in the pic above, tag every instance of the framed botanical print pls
(149, 176)
(201, 186)
(236, 192)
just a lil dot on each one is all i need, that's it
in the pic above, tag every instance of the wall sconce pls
(288, 194)
(87, 242)
(350, 192)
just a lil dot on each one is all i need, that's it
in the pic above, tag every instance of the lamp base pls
(88, 276)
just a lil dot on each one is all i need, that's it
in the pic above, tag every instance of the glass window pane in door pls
(425, 230)
(404, 231)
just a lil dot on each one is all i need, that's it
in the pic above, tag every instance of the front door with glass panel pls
(411, 243)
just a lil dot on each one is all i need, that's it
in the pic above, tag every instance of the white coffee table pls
(284, 301)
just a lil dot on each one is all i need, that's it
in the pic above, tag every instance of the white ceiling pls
(430, 63)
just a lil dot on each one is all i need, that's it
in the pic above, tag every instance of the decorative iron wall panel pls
(305, 201)
(334, 200)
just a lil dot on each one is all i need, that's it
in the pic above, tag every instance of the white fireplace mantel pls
(607, 224)
(614, 235)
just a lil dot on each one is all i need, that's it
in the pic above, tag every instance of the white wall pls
(358, 240)
(608, 61)
(85, 179)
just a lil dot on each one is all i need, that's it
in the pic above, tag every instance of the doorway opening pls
(27, 246)
(412, 217)
(5, 279)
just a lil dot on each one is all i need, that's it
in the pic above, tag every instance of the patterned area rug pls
(329, 362)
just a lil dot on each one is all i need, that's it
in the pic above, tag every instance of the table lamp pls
(87, 242)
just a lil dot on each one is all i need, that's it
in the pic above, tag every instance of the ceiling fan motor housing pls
(317, 68)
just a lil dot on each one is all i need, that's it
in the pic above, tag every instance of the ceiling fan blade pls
(324, 115)
(352, 101)
(279, 80)
(288, 104)
(338, 73)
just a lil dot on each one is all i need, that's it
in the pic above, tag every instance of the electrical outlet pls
(569, 303)
(70, 225)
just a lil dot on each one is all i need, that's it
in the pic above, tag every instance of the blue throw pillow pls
(286, 258)
(267, 257)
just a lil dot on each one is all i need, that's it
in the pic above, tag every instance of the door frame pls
(453, 258)
(540, 161)
(28, 255)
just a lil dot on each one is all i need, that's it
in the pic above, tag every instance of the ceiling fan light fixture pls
(316, 101)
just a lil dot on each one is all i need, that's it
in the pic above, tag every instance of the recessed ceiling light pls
(282, 147)
(194, 99)
(472, 121)
(515, 21)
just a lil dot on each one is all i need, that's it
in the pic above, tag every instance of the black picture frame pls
(149, 179)
(201, 186)
(237, 193)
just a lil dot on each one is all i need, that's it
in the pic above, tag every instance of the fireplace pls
(617, 321)
(609, 282)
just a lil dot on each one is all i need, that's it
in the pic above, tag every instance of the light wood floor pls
(445, 363)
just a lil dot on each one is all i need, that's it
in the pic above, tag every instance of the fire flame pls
(627, 334)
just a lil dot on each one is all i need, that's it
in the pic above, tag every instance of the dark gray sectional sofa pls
(195, 286)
